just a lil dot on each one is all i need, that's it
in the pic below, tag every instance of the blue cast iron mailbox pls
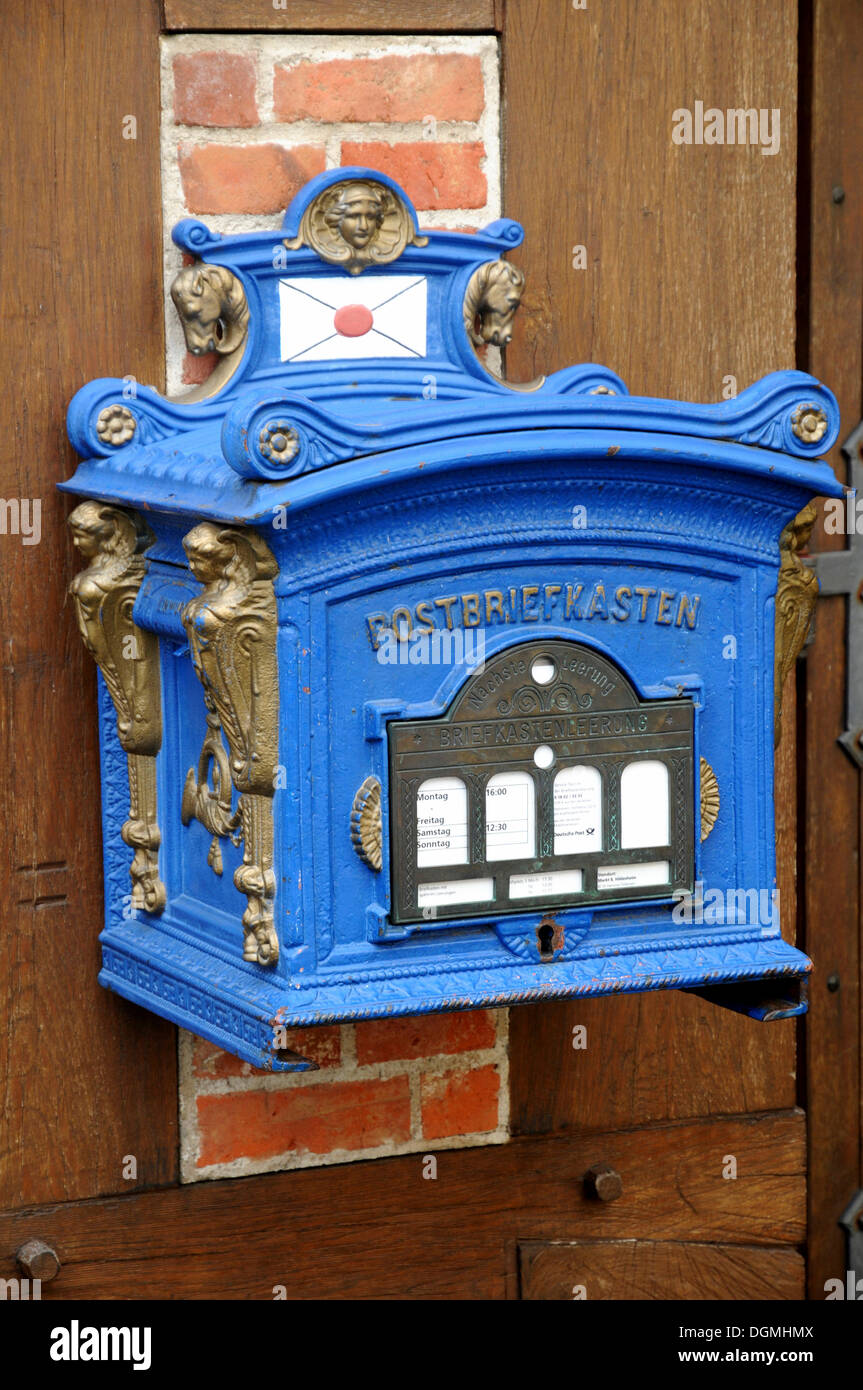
(420, 691)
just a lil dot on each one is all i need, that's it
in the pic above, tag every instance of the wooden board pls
(661, 1270)
(691, 256)
(85, 1079)
(831, 347)
(379, 1230)
(649, 1057)
(322, 16)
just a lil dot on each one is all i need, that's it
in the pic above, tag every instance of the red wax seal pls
(353, 320)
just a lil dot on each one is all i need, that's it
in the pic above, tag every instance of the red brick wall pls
(246, 121)
(386, 1086)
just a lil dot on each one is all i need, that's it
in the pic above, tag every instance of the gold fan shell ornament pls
(366, 823)
(709, 799)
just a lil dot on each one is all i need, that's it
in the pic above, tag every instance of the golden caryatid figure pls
(796, 596)
(231, 626)
(113, 541)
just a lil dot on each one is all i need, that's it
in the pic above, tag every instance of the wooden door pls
(691, 265)
(699, 265)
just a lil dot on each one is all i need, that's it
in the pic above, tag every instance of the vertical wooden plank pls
(85, 1078)
(833, 345)
(691, 279)
(690, 248)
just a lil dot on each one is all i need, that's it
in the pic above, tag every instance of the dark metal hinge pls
(851, 1222)
(841, 572)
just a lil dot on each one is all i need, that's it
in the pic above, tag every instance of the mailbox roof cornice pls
(196, 482)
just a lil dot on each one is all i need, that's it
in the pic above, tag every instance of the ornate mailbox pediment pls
(421, 690)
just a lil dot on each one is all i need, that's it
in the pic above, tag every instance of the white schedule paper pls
(577, 810)
(510, 816)
(545, 885)
(633, 875)
(644, 805)
(460, 890)
(441, 822)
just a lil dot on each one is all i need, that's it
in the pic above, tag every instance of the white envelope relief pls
(336, 316)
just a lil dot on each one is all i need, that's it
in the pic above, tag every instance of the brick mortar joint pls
(501, 1021)
(437, 1064)
(291, 1161)
(229, 223)
(416, 1107)
(190, 1136)
(308, 130)
(326, 47)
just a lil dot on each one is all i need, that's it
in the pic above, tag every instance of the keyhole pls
(545, 937)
